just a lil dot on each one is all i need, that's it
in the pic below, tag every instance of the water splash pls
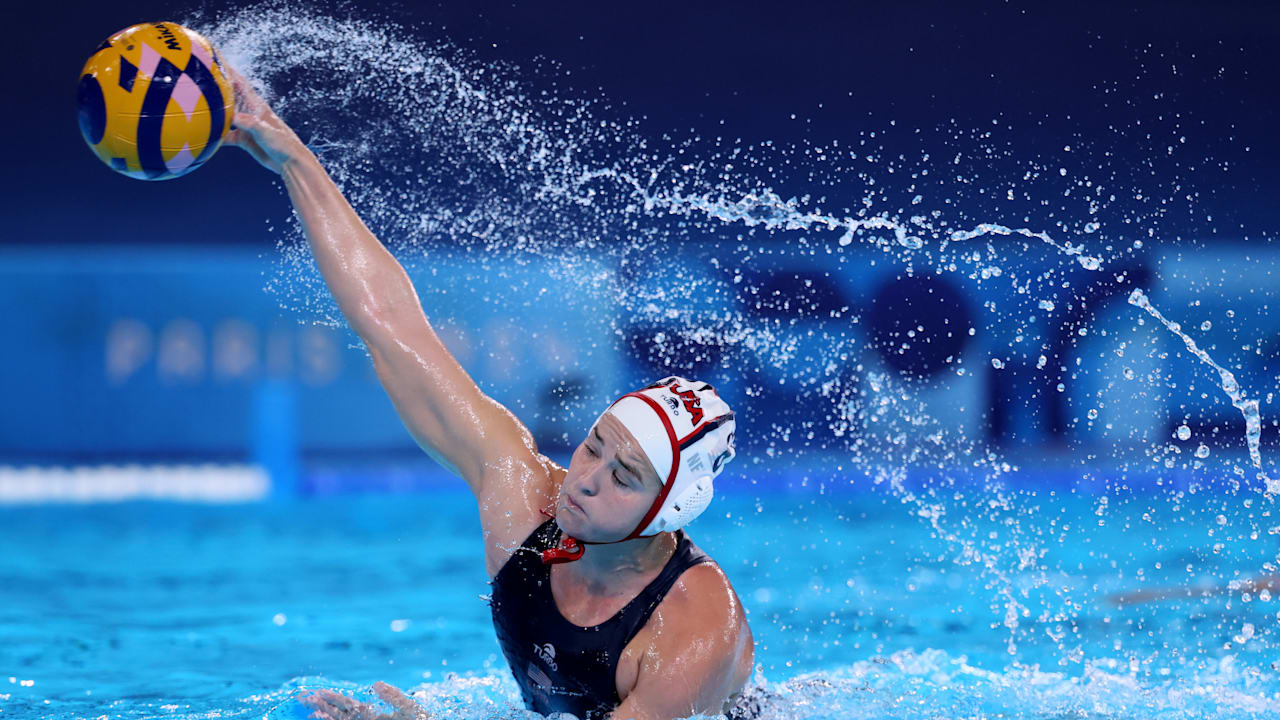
(1088, 262)
(949, 686)
(1248, 407)
(908, 684)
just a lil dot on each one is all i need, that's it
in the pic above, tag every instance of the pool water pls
(860, 607)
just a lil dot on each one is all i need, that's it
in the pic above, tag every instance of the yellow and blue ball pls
(154, 101)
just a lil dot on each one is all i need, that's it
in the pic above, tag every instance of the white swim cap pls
(686, 431)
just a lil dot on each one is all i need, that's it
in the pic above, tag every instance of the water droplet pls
(1184, 432)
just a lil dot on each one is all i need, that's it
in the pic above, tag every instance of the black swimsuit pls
(559, 666)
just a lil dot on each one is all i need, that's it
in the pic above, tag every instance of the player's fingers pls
(246, 97)
(323, 710)
(246, 121)
(403, 703)
(392, 694)
(343, 702)
(237, 80)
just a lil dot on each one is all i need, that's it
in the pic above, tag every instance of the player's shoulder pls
(702, 611)
(704, 577)
(511, 501)
(703, 594)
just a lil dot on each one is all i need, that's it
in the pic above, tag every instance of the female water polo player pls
(600, 602)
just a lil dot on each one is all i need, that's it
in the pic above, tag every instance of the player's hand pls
(330, 705)
(258, 129)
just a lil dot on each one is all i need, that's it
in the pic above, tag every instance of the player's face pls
(609, 486)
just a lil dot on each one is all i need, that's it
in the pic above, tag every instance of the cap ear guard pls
(681, 510)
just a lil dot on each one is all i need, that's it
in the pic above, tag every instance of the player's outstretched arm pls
(444, 410)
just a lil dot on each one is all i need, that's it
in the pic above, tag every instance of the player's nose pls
(589, 485)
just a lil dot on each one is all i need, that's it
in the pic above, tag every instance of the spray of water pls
(449, 151)
(1248, 407)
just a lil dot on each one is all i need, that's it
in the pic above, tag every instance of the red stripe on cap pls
(675, 464)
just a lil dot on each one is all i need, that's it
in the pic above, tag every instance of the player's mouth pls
(569, 504)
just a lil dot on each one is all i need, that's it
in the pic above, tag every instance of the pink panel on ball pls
(199, 50)
(150, 59)
(186, 94)
(181, 161)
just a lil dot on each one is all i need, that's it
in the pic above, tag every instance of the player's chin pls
(571, 520)
(597, 533)
(576, 524)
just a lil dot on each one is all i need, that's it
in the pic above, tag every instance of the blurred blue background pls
(158, 341)
(163, 354)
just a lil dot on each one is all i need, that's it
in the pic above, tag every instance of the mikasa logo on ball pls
(170, 40)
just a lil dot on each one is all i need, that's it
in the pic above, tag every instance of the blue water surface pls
(860, 607)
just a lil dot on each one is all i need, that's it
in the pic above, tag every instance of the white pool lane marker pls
(120, 483)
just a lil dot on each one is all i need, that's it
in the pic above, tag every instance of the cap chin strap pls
(571, 548)
(568, 551)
